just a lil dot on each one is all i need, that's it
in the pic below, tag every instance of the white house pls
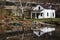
(40, 12)
(41, 31)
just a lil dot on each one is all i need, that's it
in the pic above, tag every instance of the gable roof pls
(37, 7)
(42, 6)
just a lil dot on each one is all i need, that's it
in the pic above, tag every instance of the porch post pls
(35, 16)
(31, 15)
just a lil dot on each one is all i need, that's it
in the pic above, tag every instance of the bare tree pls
(2, 3)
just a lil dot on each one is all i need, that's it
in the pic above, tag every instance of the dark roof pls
(47, 5)
(36, 11)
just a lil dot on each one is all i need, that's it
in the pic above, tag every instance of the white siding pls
(45, 11)
(50, 13)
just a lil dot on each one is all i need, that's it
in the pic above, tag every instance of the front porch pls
(36, 14)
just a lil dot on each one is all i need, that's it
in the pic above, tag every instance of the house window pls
(53, 14)
(47, 14)
(41, 14)
(39, 8)
(38, 14)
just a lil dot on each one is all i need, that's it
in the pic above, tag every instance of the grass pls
(47, 19)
